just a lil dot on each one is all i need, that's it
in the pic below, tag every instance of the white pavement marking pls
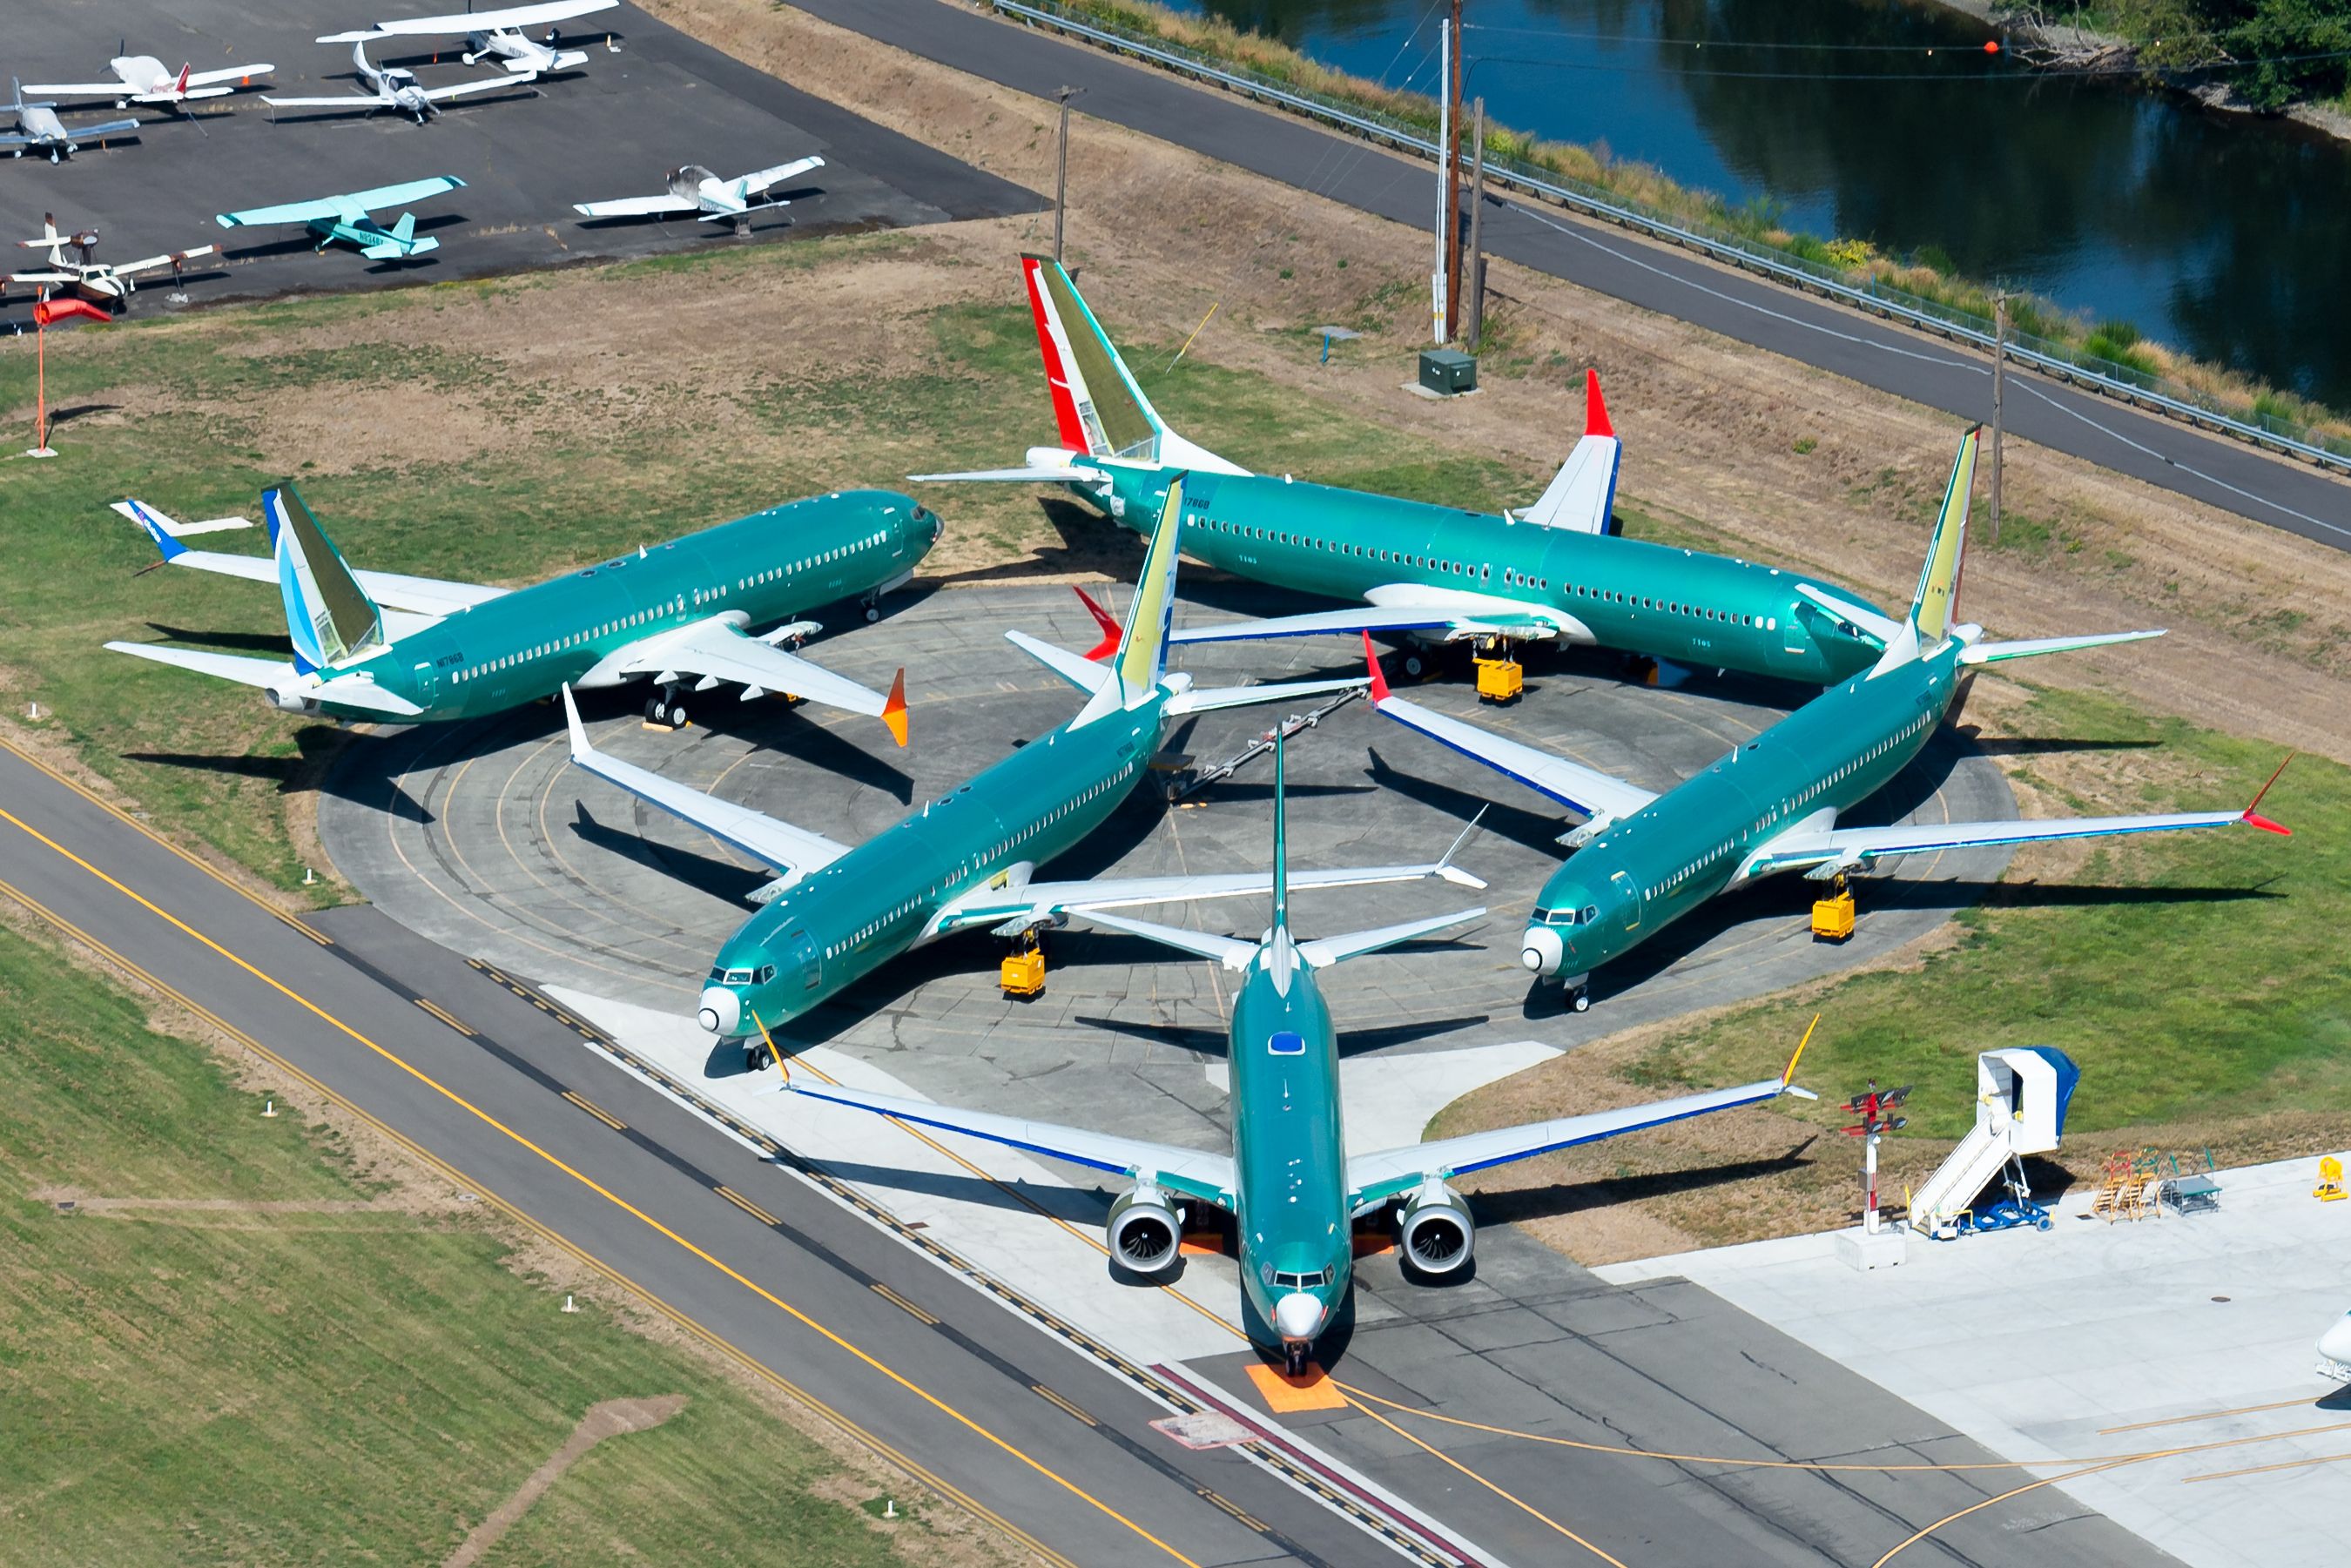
(2032, 1343)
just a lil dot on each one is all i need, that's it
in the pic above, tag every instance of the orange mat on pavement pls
(1286, 1396)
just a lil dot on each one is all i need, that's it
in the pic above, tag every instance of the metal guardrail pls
(2098, 375)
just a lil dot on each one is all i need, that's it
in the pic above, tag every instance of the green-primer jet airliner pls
(407, 650)
(1558, 571)
(835, 913)
(1772, 804)
(1295, 1193)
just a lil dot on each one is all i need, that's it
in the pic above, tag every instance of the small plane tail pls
(1934, 608)
(405, 231)
(328, 616)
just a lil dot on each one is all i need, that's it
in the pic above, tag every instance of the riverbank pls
(1924, 278)
(2076, 43)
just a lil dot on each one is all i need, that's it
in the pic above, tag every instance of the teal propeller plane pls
(406, 650)
(1557, 571)
(1642, 861)
(835, 914)
(1295, 1194)
(346, 217)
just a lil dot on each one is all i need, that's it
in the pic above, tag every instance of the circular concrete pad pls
(482, 838)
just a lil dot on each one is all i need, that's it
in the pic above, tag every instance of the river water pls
(2225, 235)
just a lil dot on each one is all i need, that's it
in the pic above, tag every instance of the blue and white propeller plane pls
(38, 129)
(346, 218)
(392, 86)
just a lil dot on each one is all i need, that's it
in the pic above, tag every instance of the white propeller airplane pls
(391, 87)
(38, 128)
(493, 33)
(695, 189)
(100, 280)
(142, 78)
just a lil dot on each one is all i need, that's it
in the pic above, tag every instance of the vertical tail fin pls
(405, 229)
(1280, 836)
(328, 616)
(1935, 605)
(1096, 403)
(1143, 651)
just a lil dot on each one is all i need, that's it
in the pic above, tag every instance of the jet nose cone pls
(722, 1010)
(1543, 953)
(1298, 1316)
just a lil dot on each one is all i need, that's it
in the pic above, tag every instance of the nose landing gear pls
(1294, 1359)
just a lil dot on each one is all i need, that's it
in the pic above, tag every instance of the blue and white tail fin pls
(1098, 409)
(328, 616)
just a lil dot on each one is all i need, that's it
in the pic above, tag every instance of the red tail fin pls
(181, 85)
(1111, 634)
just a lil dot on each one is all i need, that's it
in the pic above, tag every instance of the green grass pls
(2195, 976)
(314, 1387)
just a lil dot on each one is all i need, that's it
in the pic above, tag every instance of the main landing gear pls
(756, 1057)
(666, 709)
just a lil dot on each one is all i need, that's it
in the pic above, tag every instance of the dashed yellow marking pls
(1051, 1397)
(747, 1206)
(1232, 1508)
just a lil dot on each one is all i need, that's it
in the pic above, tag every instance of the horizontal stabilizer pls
(1204, 698)
(1231, 952)
(1995, 652)
(173, 527)
(222, 666)
(1881, 629)
(1325, 951)
(1075, 668)
(1063, 476)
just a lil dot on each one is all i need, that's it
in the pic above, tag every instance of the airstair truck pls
(2022, 1094)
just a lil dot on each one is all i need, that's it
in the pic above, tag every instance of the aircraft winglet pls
(1787, 1078)
(893, 711)
(1595, 411)
(1379, 681)
(1112, 635)
(2252, 812)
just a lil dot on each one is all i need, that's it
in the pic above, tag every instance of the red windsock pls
(48, 312)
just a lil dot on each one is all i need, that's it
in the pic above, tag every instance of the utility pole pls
(1475, 329)
(1062, 171)
(1440, 308)
(1453, 184)
(1998, 387)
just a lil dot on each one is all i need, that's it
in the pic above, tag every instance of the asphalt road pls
(612, 128)
(1897, 359)
(740, 1251)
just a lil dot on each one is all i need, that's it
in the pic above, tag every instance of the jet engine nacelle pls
(1435, 1230)
(1145, 1231)
(289, 702)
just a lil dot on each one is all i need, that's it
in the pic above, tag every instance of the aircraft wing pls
(1039, 902)
(1016, 476)
(172, 259)
(1374, 1178)
(172, 525)
(76, 90)
(1845, 849)
(1193, 1173)
(235, 73)
(103, 128)
(716, 648)
(1587, 790)
(793, 852)
(1582, 496)
(466, 89)
(760, 180)
(347, 100)
(349, 690)
(1489, 618)
(514, 16)
(636, 207)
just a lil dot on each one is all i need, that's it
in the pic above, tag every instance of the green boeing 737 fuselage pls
(772, 565)
(1648, 870)
(840, 924)
(1651, 599)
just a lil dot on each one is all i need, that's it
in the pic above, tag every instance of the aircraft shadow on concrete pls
(1206, 1042)
(1505, 1206)
(1089, 542)
(1086, 1207)
(704, 873)
(1530, 830)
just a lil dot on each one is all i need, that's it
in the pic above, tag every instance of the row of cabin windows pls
(1365, 552)
(640, 617)
(1817, 788)
(876, 926)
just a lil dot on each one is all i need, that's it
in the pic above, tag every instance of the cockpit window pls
(1286, 1044)
(1283, 1282)
(737, 977)
(717, 974)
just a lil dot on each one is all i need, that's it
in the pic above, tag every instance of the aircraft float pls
(1557, 571)
(835, 914)
(411, 650)
(1642, 861)
(1296, 1195)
